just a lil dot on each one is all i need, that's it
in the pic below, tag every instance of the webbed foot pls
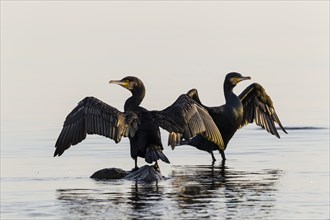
(135, 169)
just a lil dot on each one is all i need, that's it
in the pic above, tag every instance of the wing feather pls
(186, 118)
(259, 107)
(92, 116)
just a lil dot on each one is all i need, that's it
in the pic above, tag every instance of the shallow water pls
(50, 62)
(263, 178)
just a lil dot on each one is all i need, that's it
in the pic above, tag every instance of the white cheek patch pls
(233, 81)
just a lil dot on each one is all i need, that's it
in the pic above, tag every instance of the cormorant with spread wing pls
(183, 119)
(253, 104)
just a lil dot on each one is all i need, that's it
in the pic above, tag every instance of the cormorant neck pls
(228, 91)
(135, 100)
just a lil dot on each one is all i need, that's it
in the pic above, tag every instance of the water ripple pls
(192, 192)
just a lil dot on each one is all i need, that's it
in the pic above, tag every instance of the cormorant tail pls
(153, 154)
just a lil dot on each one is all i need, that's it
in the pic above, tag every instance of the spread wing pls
(259, 107)
(186, 118)
(92, 116)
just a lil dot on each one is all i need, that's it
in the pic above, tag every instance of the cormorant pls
(183, 119)
(253, 104)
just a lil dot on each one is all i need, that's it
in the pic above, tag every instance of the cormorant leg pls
(223, 163)
(213, 158)
(223, 155)
(136, 167)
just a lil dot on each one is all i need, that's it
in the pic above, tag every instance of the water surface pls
(50, 62)
(263, 178)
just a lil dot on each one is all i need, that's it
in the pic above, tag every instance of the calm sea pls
(54, 53)
(263, 178)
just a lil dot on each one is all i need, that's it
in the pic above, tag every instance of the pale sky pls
(54, 53)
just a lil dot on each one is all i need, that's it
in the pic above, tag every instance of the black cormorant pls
(183, 119)
(253, 104)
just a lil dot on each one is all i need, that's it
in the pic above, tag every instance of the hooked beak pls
(244, 78)
(119, 82)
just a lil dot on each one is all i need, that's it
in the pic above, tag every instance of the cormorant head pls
(137, 89)
(233, 78)
(131, 83)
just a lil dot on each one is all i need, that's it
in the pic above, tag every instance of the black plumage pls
(253, 104)
(183, 119)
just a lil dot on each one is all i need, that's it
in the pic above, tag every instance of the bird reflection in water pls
(131, 199)
(146, 200)
(190, 192)
(219, 191)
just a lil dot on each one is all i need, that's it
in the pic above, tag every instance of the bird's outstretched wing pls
(92, 116)
(259, 107)
(187, 118)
